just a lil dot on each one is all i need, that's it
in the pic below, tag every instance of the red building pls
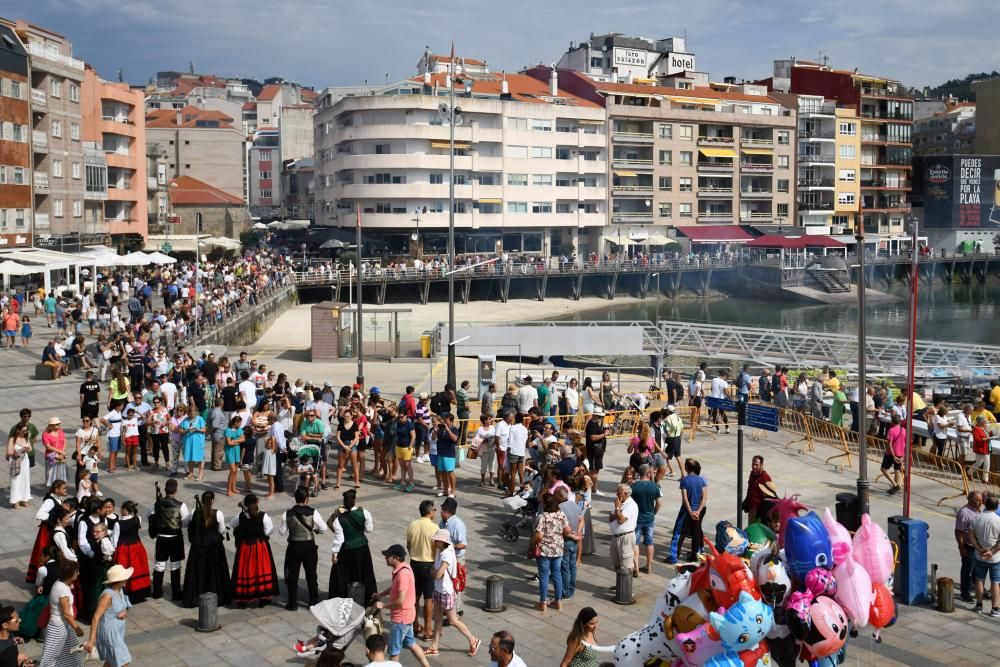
(16, 195)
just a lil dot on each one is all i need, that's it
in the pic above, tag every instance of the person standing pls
(462, 410)
(459, 535)
(646, 494)
(218, 423)
(447, 437)
(130, 553)
(420, 544)
(207, 569)
(167, 518)
(107, 629)
(486, 401)
(402, 605)
(351, 558)
(406, 441)
(192, 429)
(985, 538)
(301, 524)
(966, 550)
(581, 645)
(694, 497)
(90, 397)
(63, 630)
(18, 448)
(623, 520)
(673, 429)
(892, 460)
(445, 571)
(758, 486)
(486, 449)
(255, 577)
(597, 443)
(720, 390)
(981, 448)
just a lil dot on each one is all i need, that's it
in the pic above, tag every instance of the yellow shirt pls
(420, 540)
(918, 402)
(995, 398)
(990, 419)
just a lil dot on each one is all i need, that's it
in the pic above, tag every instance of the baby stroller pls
(340, 621)
(524, 510)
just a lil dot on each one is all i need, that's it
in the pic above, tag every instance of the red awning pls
(794, 242)
(715, 234)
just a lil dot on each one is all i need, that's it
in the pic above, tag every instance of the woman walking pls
(158, 427)
(207, 569)
(54, 441)
(590, 397)
(547, 545)
(130, 552)
(107, 630)
(62, 630)
(255, 578)
(193, 434)
(582, 649)
(347, 443)
(18, 448)
(352, 559)
(445, 571)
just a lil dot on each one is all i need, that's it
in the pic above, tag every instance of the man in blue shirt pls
(456, 529)
(646, 495)
(694, 496)
(743, 384)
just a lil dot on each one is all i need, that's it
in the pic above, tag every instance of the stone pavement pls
(162, 633)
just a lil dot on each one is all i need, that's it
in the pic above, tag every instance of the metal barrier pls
(539, 373)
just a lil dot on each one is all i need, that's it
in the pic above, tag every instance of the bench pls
(42, 372)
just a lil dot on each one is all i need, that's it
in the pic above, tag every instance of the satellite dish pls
(648, 202)
(414, 236)
(604, 48)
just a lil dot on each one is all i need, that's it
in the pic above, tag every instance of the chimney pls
(180, 118)
(486, 66)
(504, 86)
(554, 82)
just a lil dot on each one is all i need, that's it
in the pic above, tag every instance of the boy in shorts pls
(894, 453)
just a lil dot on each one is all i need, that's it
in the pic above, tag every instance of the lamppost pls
(415, 235)
(304, 268)
(453, 116)
(657, 276)
(197, 269)
(911, 371)
(863, 484)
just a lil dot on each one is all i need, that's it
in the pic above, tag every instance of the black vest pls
(168, 516)
(250, 530)
(128, 530)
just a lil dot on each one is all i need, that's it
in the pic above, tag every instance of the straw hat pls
(117, 573)
(54, 421)
(442, 535)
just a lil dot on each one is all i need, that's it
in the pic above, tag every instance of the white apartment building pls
(618, 58)
(530, 164)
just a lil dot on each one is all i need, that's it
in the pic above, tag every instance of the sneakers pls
(440, 494)
(409, 488)
(670, 560)
(598, 493)
(397, 487)
(995, 612)
(978, 608)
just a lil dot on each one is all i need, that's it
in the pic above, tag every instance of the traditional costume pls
(207, 569)
(255, 578)
(130, 553)
(166, 518)
(354, 559)
(44, 536)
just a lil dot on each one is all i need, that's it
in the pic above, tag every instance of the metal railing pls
(813, 157)
(753, 141)
(39, 51)
(756, 166)
(728, 141)
(38, 98)
(39, 139)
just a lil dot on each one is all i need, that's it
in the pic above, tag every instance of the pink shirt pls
(897, 440)
(402, 582)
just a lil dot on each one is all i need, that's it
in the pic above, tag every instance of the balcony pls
(882, 184)
(885, 116)
(39, 51)
(756, 166)
(824, 110)
(631, 190)
(632, 137)
(755, 216)
(816, 158)
(813, 135)
(39, 141)
(626, 163)
(632, 216)
(757, 141)
(816, 183)
(815, 206)
(95, 195)
(41, 181)
(38, 99)
(717, 140)
(715, 216)
(715, 192)
(41, 221)
(711, 165)
(753, 193)
(876, 91)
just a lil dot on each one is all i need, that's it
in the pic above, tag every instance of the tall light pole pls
(361, 357)
(911, 370)
(863, 484)
(453, 116)
(197, 269)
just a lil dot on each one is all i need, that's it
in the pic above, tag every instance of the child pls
(84, 488)
(25, 331)
(307, 474)
(269, 466)
(91, 461)
(130, 429)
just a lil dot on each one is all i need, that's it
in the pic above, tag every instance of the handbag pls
(460, 578)
(372, 624)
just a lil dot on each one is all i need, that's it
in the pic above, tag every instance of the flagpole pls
(360, 322)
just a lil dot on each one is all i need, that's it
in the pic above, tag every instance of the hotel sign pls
(631, 57)
(680, 62)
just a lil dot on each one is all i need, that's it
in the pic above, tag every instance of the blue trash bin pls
(910, 578)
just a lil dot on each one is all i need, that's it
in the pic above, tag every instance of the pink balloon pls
(697, 647)
(840, 539)
(854, 591)
(873, 550)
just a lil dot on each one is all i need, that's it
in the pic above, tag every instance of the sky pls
(335, 42)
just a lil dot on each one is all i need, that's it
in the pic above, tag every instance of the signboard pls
(680, 62)
(720, 403)
(762, 417)
(958, 191)
(630, 57)
(10, 240)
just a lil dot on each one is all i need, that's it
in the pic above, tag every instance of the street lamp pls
(197, 269)
(911, 372)
(304, 246)
(863, 484)
(415, 235)
(657, 276)
(453, 116)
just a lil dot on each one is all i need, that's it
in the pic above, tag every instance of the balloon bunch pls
(761, 597)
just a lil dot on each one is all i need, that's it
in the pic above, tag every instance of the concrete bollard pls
(623, 587)
(945, 595)
(494, 594)
(208, 612)
(356, 591)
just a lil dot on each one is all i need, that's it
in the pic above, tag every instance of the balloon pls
(726, 576)
(807, 545)
(883, 609)
(645, 645)
(689, 614)
(822, 629)
(873, 550)
(787, 508)
(820, 581)
(697, 646)
(773, 581)
(730, 539)
(759, 536)
(677, 589)
(854, 591)
(741, 630)
(840, 539)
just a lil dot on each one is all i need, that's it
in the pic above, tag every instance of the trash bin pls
(910, 578)
(425, 345)
(847, 511)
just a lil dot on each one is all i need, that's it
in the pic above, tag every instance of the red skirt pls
(134, 556)
(254, 574)
(42, 540)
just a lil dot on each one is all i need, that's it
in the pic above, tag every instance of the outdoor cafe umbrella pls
(159, 258)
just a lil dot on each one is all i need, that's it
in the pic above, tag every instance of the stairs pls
(833, 282)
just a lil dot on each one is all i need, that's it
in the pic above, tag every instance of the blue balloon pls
(807, 545)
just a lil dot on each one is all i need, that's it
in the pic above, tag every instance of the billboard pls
(958, 191)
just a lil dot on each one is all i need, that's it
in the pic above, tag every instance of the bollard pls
(208, 613)
(932, 593)
(494, 594)
(356, 591)
(623, 587)
(945, 595)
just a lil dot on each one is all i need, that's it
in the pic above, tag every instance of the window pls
(541, 152)
(591, 156)
(57, 208)
(459, 179)
(19, 176)
(666, 157)
(437, 179)
(666, 131)
(564, 207)
(57, 169)
(56, 128)
(74, 131)
(15, 89)
(263, 155)
(782, 185)
(77, 208)
(55, 88)
(20, 132)
(3, 218)
(383, 149)
(516, 151)
(848, 129)
(848, 152)
(517, 179)
(19, 218)
(564, 154)
(666, 182)
(517, 123)
(685, 184)
(517, 207)
(541, 207)
(265, 194)
(75, 169)
(488, 179)
(782, 162)
(74, 92)
(684, 210)
(782, 210)
(436, 207)
(564, 182)
(847, 175)
(460, 207)
(783, 137)
(539, 125)
(666, 210)
(541, 179)
(687, 132)
(596, 62)
(846, 198)
(687, 158)
(3, 175)
(490, 208)
(265, 174)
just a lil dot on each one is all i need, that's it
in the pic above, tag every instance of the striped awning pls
(717, 152)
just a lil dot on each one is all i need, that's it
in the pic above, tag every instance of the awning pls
(625, 173)
(758, 151)
(587, 121)
(9, 268)
(444, 144)
(490, 201)
(692, 100)
(715, 233)
(618, 239)
(717, 152)
(658, 239)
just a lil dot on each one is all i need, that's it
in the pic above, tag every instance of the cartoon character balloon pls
(742, 631)
(883, 609)
(726, 576)
(807, 545)
(854, 591)
(820, 581)
(840, 539)
(697, 647)
(730, 539)
(820, 626)
(873, 550)
(787, 508)
(676, 591)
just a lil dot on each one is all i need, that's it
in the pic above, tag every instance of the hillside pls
(960, 88)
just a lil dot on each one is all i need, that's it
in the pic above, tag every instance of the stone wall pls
(246, 327)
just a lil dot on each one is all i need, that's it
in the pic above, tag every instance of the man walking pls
(623, 520)
(456, 529)
(596, 444)
(646, 495)
(402, 605)
(167, 517)
(720, 389)
(420, 544)
(502, 650)
(963, 524)
(300, 524)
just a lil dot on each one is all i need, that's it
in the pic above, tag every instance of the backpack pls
(764, 385)
(401, 408)
(440, 403)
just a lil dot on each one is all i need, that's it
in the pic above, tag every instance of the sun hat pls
(598, 410)
(54, 421)
(670, 408)
(442, 535)
(423, 396)
(117, 573)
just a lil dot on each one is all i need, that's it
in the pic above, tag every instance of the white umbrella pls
(259, 225)
(137, 258)
(159, 258)
(9, 268)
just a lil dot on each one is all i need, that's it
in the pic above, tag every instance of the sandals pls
(430, 651)
(474, 649)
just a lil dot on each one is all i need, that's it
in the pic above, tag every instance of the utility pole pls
(360, 336)
(863, 483)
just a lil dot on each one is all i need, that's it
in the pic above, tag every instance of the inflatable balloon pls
(697, 647)
(742, 631)
(854, 591)
(820, 627)
(726, 576)
(759, 537)
(820, 581)
(647, 646)
(787, 508)
(730, 539)
(807, 545)
(676, 591)
(840, 539)
(773, 581)
(873, 550)
(689, 614)
(883, 610)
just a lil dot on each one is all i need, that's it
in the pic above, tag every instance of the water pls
(956, 313)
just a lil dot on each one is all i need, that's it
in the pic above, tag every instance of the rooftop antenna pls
(387, 78)
(191, 66)
(121, 75)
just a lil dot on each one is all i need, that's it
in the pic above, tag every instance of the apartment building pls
(264, 170)
(951, 131)
(618, 58)
(176, 90)
(530, 163)
(284, 117)
(114, 119)
(885, 114)
(988, 111)
(16, 199)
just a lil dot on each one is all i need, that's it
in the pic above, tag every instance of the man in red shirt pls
(402, 605)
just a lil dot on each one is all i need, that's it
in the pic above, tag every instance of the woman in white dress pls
(18, 447)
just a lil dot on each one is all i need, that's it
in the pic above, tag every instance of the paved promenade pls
(162, 633)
